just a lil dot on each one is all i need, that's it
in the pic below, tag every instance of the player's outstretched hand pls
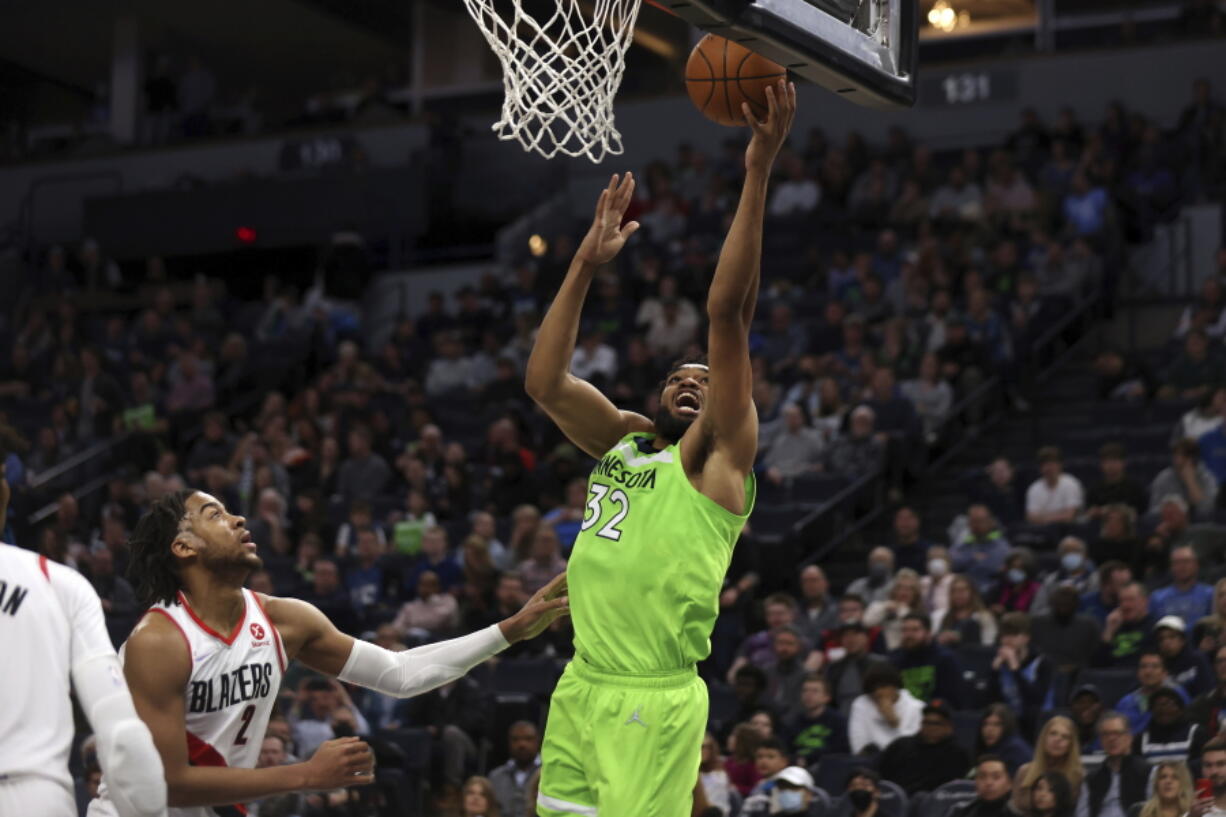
(770, 135)
(339, 763)
(607, 236)
(545, 607)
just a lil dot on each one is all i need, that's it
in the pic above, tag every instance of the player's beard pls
(670, 426)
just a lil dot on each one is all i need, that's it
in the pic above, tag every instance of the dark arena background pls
(274, 252)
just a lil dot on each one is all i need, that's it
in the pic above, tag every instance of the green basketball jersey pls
(649, 562)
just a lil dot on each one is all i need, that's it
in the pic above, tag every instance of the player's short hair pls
(152, 570)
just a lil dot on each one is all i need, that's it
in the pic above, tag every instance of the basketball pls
(721, 74)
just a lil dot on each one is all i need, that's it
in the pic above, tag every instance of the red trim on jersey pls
(187, 641)
(42, 565)
(210, 630)
(276, 636)
(200, 753)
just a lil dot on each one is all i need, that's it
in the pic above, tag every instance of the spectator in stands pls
(1056, 750)
(1086, 208)
(780, 611)
(1213, 449)
(435, 558)
(273, 753)
(797, 193)
(712, 777)
(545, 561)
(931, 396)
(883, 713)
(818, 611)
(363, 474)
(479, 799)
(959, 199)
(993, 789)
(1187, 667)
(928, 671)
(367, 577)
(749, 689)
(191, 387)
(1151, 676)
(451, 371)
(1119, 783)
(998, 735)
(118, 598)
(794, 450)
(863, 793)
(1065, 636)
(1169, 735)
(935, 583)
(327, 593)
(967, 619)
(1085, 708)
(858, 452)
(1116, 486)
(433, 614)
(1003, 496)
(875, 584)
(1112, 575)
(1128, 629)
(848, 673)
(1172, 790)
(1209, 710)
(786, 671)
(1202, 418)
(1121, 378)
(929, 758)
(322, 710)
(814, 728)
(769, 759)
(1022, 677)
(1185, 597)
(910, 548)
(739, 764)
(1188, 478)
(511, 778)
(904, 598)
(1052, 796)
(1213, 768)
(1195, 372)
(1018, 586)
(1075, 571)
(1055, 496)
(981, 552)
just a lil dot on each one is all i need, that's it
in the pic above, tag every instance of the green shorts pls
(622, 745)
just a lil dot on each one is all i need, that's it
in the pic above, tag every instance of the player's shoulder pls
(157, 633)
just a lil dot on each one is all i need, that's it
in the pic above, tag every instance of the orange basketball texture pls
(721, 74)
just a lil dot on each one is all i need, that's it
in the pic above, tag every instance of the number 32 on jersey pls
(597, 505)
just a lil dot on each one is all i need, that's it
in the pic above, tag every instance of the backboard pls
(863, 50)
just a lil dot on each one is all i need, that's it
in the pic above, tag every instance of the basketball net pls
(559, 73)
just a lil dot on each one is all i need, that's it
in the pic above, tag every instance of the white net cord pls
(559, 74)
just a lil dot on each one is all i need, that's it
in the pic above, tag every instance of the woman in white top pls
(883, 713)
(904, 597)
(714, 778)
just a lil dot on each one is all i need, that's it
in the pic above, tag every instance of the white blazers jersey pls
(231, 692)
(50, 618)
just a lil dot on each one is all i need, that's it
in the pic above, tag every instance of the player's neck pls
(217, 600)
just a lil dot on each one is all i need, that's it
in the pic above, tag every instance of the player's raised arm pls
(730, 421)
(314, 640)
(157, 666)
(586, 416)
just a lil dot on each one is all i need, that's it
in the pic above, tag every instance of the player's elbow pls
(726, 312)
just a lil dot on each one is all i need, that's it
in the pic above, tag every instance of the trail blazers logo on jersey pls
(246, 683)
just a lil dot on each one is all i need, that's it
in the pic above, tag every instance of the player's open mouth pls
(247, 540)
(688, 404)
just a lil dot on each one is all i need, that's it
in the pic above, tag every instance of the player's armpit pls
(587, 417)
(308, 635)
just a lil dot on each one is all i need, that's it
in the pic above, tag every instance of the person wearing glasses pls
(1120, 782)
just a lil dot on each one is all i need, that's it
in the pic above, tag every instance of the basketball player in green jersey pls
(665, 505)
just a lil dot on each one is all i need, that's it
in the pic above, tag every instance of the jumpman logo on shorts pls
(635, 719)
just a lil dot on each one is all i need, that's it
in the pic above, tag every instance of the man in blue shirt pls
(1213, 451)
(1185, 597)
(1151, 676)
(981, 553)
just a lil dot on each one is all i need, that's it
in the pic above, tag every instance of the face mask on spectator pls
(1071, 561)
(791, 800)
(860, 799)
(937, 567)
(1016, 575)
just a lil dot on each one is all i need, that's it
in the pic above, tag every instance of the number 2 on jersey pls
(609, 529)
(248, 713)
